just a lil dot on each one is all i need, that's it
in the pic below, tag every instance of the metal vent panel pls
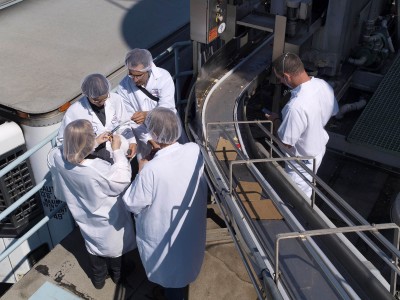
(379, 124)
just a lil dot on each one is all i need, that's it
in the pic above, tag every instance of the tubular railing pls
(271, 140)
(26, 196)
(51, 138)
(319, 232)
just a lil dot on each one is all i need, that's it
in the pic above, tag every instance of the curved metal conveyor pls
(304, 271)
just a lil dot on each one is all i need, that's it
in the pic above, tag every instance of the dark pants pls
(176, 293)
(101, 266)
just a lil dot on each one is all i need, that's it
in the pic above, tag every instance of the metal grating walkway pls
(379, 124)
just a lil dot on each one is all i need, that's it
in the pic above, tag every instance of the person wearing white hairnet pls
(92, 190)
(169, 200)
(105, 110)
(144, 88)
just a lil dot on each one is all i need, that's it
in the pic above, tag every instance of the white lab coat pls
(115, 114)
(161, 85)
(304, 117)
(92, 191)
(169, 200)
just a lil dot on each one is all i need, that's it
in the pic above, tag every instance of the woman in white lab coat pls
(92, 189)
(105, 110)
(144, 88)
(169, 200)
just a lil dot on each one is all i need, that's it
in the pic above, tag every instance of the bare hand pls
(153, 144)
(116, 142)
(104, 137)
(272, 116)
(139, 117)
(132, 150)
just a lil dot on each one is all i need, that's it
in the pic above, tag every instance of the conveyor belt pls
(308, 268)
(379, 124)
(296, 260)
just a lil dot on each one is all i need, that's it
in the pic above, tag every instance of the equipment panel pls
(208, 20)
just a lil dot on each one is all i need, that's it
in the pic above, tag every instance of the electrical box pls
(207, 20)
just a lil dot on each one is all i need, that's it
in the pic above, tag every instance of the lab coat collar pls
(167, 150)
(155, 71)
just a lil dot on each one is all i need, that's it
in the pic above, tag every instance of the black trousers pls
(176, 293)
(101, 266)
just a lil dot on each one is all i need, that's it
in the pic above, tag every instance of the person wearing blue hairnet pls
(169, 200)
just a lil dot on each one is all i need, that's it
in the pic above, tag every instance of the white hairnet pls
(79, 140)
(163, 125)
(137, 57)
(95, 85)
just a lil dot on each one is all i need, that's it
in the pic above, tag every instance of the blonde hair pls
(79, 141)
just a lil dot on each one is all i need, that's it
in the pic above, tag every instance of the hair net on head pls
(137, 57)
(95, 85)
(163, 125)
(79, 140)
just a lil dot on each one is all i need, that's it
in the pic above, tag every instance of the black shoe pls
(116, 278)
(99, 285)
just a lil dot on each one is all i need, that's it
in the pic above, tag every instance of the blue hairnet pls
(137, 57)
(79, 140)
(95, 85)
(163, 125)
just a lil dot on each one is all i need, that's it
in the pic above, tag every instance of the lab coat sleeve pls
(54, 173)
(143, 134)
(125, 130)
(139, 194)
(123, 92)
(293, 125)
(65, 121)
(119, 175)
(167, 94)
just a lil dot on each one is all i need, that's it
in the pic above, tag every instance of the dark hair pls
(288, 63)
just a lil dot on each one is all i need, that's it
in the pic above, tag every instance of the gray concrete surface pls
(48, 47)
(223, 275)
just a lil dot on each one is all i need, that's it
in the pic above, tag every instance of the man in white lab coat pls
(169, 201)
(302, 129)
(105, 110)
(92, 189)
(144, 88)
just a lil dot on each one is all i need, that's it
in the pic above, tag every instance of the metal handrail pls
(330, 231)
(393, 248)
(288, 158)
(15, 244)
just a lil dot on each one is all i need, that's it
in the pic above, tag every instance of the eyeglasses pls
(136, 76)
(100, 99)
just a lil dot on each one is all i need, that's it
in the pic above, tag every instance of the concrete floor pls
(223, 275)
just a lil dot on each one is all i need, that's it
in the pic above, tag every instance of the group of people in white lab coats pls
(90, 168)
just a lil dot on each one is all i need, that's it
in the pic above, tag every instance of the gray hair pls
(163, 125)
(137, 57)
(95, 85)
